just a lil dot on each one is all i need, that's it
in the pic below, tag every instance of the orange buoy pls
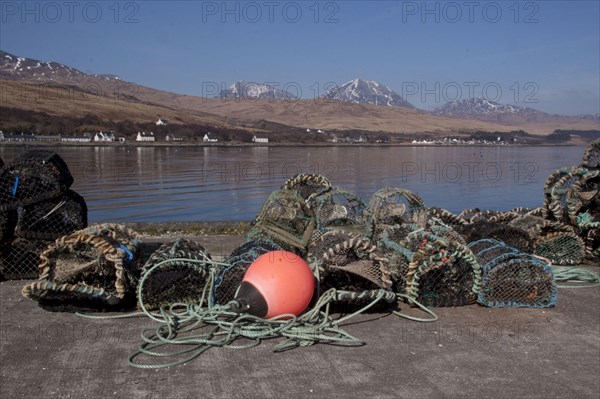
(276, 283)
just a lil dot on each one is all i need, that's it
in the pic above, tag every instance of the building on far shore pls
(209, 138)
(104, 136)
(161, 122)
(257, 139)
(172, 137)
(76, 138)
(143, 136)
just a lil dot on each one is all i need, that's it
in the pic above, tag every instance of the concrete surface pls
(471, 352)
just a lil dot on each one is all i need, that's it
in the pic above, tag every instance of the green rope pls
(186, 331)
(570, 274)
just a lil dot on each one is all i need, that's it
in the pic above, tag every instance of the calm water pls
(142, 184)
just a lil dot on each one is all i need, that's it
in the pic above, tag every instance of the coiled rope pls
(186, 331)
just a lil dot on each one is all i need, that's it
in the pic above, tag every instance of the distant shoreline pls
(240, 145)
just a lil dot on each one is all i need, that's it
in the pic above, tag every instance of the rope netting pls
(308, 185)
(20, 259)
(340, 209)
(591, 157)
(284, 219)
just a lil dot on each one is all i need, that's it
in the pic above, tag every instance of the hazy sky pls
(542, 54)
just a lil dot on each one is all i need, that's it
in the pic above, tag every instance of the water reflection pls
(128, 183)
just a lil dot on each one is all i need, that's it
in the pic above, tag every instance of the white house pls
(209, 139)
(161, 122)
(143, 136)
(307, 130)
(1, 136)
(260, 139)
(104, 136)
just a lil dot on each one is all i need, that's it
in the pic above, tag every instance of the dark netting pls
(1, 163)
(284, 219)
(21, 258)
(510, 235)
(8, 222)
(346, 261)
(51, 219)
(569, 191)
(591, 158)
(32, 177)
(228, 277)
(513, 279)
(441, 229)
(561, 248)
(340, 209)
(441, 272)
(396, 206)
(176, 273)
(308, 185)
(531, 224)
(93, 269)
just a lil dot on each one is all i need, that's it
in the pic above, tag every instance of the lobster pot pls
(561, 248)
(228, 277)
(511, 235)
(51, 219)
(397, 206)
(591, 157)
(442, 273)
(176, 273)
(92, 269)
(308, 185)
(531, 224)
(592, 244)
(514, 279)
(569, 191)
(348, 262)
(342, 210)
(1, 163)
(21, 258)
(284, 219)
(32, 177)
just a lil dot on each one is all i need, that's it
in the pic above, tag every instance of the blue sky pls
(542, 54)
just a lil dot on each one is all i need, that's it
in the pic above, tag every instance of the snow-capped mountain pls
(20, 68)
(483, 109)
(359, 91)
(242, 89)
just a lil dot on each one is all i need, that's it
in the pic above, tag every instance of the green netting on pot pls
(176, 273)
(510, 235)
(396, 206)
(95, 268)
(51, 219)
(390, 244)
(228, 277)
(512, 278)
(308, 185)
(346, 261)
(8, 222)
(32, 177)
(284, 219)
(441, 229)
(441, 273)
(20, 259)
(569, 191)
(340, 209)
(561, 248)
(591, 157)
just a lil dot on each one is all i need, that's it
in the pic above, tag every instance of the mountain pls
(244, 90)
(20, 68)
(359, 91)
(486, 110)
(44, 93)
